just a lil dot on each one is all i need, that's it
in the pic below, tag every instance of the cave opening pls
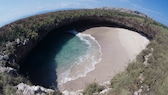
(39, 66)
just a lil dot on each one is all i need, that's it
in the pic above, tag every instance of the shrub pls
(93, 88)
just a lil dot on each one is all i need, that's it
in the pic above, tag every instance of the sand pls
(119, 47)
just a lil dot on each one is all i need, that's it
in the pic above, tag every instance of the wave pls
(85, 63)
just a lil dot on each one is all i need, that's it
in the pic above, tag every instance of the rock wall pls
(23, 47)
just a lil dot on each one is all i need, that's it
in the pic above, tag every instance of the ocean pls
(61, 57)
(77, 57)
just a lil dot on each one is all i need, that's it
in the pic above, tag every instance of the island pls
(130, 46)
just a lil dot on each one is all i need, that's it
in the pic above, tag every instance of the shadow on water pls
(40, 66)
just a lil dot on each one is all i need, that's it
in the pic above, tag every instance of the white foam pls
(91, 42)
(73, 32)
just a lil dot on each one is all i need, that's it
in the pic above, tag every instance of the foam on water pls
(78, 65)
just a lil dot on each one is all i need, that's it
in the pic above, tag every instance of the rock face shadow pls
(40, 66)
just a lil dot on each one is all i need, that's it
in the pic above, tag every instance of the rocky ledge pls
(24, 89)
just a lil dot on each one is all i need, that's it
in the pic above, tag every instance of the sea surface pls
(61, 57)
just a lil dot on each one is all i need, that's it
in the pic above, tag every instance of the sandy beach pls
(119, 47)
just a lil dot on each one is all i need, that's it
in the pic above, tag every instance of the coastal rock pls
(9, 70)
(138, 92)
(24, 89)
(141, 77)
(1, 57)
(5, 57)
(25, 41)
(146, 57)
(1, 60)
(8, 44)
(78, 92)
(105, 91)
(17, 41)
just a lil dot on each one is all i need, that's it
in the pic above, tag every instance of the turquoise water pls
(61, 57)
(70, 52)
(77, 57)
(70, 55)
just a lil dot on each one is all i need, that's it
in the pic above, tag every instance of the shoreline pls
(119, 47)
(85, 63)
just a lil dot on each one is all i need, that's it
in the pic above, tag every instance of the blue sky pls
(11, 10)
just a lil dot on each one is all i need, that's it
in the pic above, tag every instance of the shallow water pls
(77, 57)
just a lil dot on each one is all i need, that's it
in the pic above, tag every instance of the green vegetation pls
(93, 88)
(8, 83)
(155, 75)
